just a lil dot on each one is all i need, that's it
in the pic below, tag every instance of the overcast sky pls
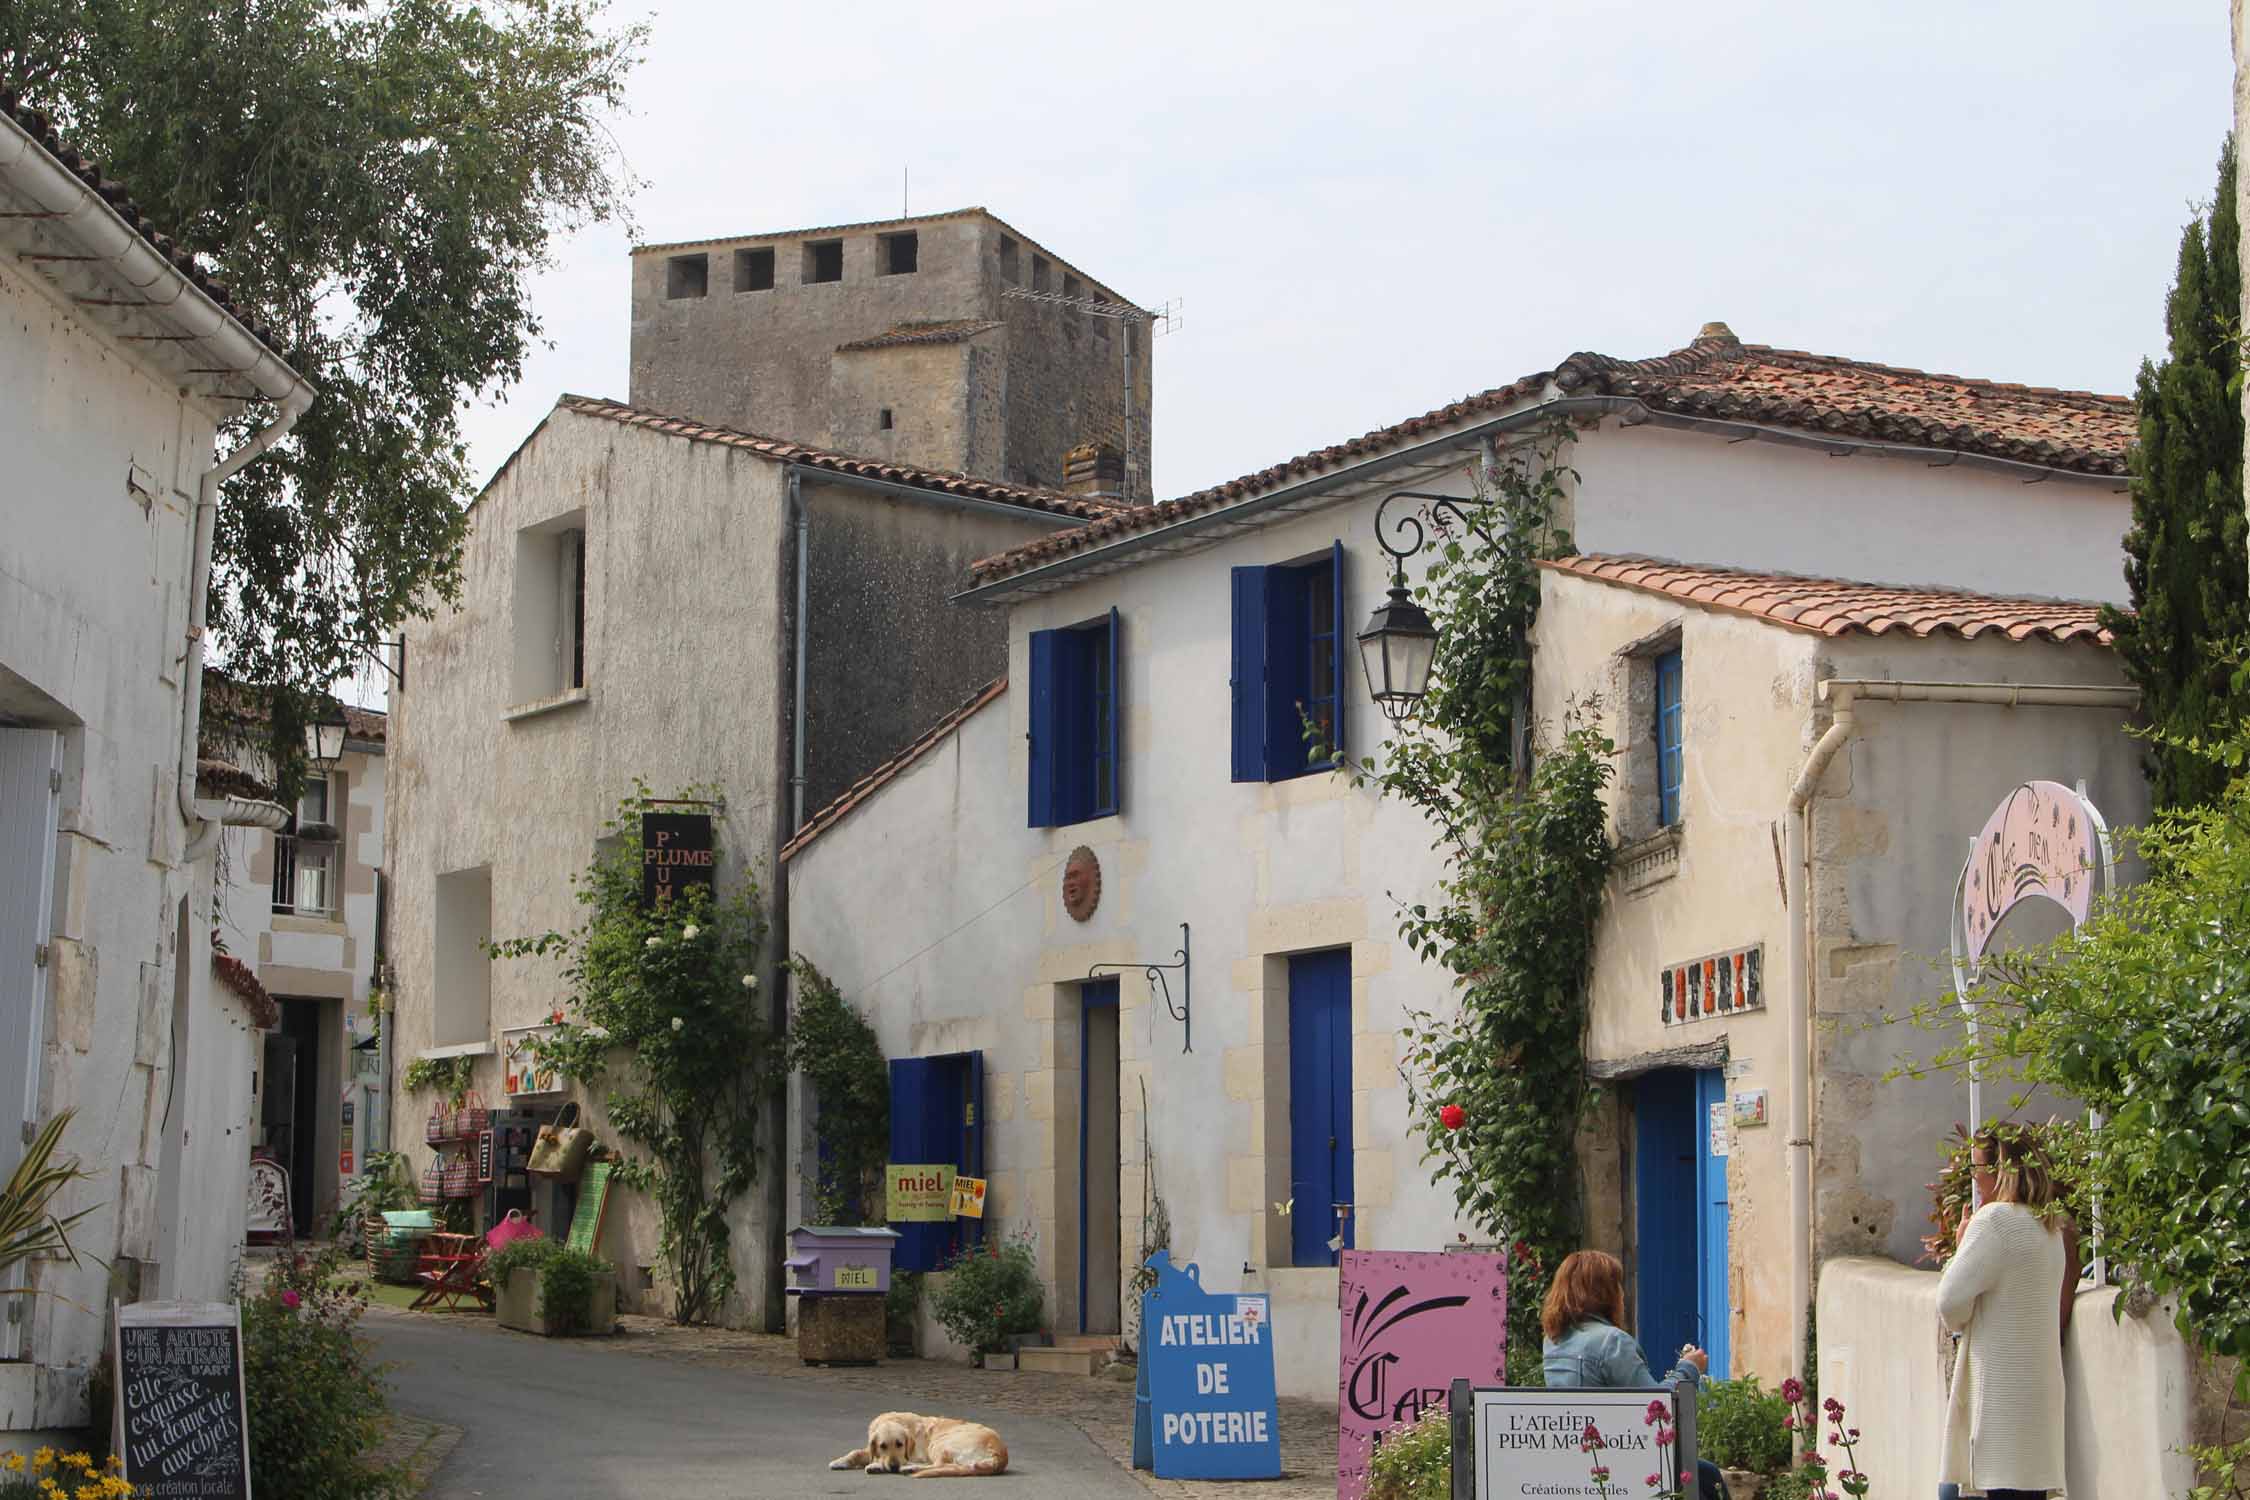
(1367, 211)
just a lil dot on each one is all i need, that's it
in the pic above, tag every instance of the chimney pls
(1717, 333)
(1094, 471)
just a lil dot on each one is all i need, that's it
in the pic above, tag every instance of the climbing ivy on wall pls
(1497, 1084)
(835, 1049)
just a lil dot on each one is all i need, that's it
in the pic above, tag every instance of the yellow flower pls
(79, 1460)
(44, 1458)
(15, 1463)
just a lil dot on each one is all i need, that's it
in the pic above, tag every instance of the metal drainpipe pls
(1841, 694)
(801, 627)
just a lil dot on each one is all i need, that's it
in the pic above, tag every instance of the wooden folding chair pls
(452, 1269)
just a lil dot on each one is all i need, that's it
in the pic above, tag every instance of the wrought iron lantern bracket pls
(1162, 987)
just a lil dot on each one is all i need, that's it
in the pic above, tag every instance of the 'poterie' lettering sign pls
(1209, 1360)
(675, 854)
(178, 1418)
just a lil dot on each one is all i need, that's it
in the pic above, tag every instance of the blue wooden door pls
(937, 1118)
(1320, 1103)
(1716, 1316)
(1667, 1248)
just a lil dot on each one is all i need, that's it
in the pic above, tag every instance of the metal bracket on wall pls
(1159, 985)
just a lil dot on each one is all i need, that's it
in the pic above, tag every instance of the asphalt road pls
(552, 1418)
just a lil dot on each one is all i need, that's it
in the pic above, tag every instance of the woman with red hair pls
(1586, 1343)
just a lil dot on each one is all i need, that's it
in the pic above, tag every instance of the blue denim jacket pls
(1597, 1353)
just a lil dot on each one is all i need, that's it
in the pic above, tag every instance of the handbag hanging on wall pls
(562, 1147)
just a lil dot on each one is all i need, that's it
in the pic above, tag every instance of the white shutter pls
(30, 803)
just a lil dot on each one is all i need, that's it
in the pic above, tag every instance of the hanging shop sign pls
(918, 1192)
(1412, 1323)
(484, 1156)
(521, 1065)
(1206, 1405)
(675, 854)
(968, 1197)
(1718, 984)
(178, 1419)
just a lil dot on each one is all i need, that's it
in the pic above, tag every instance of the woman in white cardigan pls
(2004, 1423)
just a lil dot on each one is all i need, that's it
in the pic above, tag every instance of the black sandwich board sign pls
(1512, 1443)
(179, 1419)
(675, 854)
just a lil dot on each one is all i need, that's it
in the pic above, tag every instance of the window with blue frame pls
(1288, 668)
(1074, 723)
(1669, 718)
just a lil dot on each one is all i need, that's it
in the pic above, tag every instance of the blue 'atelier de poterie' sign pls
(1207, 1380)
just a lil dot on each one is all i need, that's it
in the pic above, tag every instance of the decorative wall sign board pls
(484, 1156)
(1207, 1368)
(1718, 984)
(521, 1065)
(1413, 1322)
(1722, 1135)
(675, 854)
(968, 1197)
(1749, 1107)
(178, 1418)
(918, 1192)
(1527, 1442)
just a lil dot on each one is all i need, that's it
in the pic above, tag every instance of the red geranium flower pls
(1453, 1117)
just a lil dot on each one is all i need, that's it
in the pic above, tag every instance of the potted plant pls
(542, 1286)
(1744, 1429)
(991, 1294)
(387, 1186)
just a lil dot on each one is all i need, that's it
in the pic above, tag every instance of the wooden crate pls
(840, 1329)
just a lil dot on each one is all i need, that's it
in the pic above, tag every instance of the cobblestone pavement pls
(1101, 1408)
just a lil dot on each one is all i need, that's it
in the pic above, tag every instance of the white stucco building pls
(1975, 523)
(122, 360)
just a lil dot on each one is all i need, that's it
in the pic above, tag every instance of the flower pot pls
(1743, 1484)
(1000, 1361)
(517, 1304)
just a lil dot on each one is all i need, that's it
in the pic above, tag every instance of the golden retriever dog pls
(900, 1442)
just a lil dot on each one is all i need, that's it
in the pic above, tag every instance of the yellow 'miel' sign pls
(968, 1197)
(918, 1193)
(855, 1278)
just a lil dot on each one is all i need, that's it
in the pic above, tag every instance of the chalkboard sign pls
(179, 1416)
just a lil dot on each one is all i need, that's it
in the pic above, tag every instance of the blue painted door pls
(1717, 1317)
(937, 1117)
(1100, 1201)
(1320, 1103)
(1666, 1246)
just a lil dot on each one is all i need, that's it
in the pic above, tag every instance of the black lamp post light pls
(1399, 645)
(324, 735)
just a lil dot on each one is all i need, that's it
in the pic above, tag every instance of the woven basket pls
(470, 1120)
(439, 1129)
(433, 1181)
(460, 1178)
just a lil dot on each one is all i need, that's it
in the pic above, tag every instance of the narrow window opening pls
(687, 276)
(1072, 286)
(901, 253)
(1042, 275)
(883, 419)
(574, 551)
(753, 270)
(1011, 268)
(824, 260)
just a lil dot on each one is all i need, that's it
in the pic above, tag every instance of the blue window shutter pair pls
(1670, 729)
(1274, 677)
(1075, 764)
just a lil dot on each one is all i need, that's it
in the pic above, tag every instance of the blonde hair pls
(2020, 1172)
(1588, 1284)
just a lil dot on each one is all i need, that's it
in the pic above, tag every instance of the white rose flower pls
(678, 1024)
(598, 1033)
(690, 931)
(749, 981)
(656, 942)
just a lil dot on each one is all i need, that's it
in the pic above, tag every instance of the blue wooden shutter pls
(1712, 1121)
(1669, 732)
(1337, 654)
(1045, 728)
(1665, 1216)
(1288, 642)
(1110, 797)
(1250, 673)
(921, 1247)
(971, 1231)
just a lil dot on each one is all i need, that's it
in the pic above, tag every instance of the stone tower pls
(947, 340)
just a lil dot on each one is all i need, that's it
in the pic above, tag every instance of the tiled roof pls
(41, 128)
(1835, 606)
(370, 724)
(1721, 378)
(860, 790)
(952, 332)
(781, 450)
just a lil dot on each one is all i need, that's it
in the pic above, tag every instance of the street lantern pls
(324, 735)
(1397, 648)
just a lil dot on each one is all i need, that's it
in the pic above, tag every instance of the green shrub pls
(1793, 1484)
(1740, 1425)
(900, 1304)
(566, 1277)
(317, 1401)
(1414, 1462)
(990, 1295)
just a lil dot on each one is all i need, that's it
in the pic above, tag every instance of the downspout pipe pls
(800, 628)
(1842, 696)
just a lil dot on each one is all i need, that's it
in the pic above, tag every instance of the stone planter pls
(999, 1361)
(1742, 1484)
(515, 1304)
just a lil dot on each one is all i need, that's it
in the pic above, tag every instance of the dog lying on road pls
(900, 1442)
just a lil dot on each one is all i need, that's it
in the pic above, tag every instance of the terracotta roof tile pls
(781, 450)
(1835, 606)
(1718, 377)
(952, 332)
(860, 790)
(41, 127)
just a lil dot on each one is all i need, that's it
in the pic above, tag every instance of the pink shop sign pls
(1413, 1322)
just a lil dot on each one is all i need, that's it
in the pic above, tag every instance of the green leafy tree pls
(1496, 1085)
(380, 182)
(2185, 559)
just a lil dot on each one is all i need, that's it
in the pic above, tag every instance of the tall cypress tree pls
(2185, 561)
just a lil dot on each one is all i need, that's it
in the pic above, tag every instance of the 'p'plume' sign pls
(178, 1419)
(675, 854)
